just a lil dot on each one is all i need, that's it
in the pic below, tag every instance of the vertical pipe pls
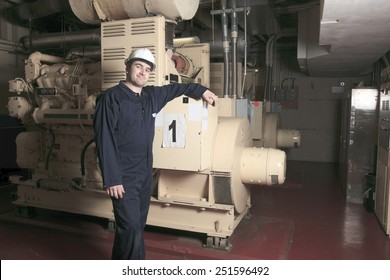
(271, 66)
(234, 36)
(245, 51)
(266, 70)
(225, 44)
(268, 63)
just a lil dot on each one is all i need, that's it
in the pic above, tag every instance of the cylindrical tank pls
(279, 138)
(263, 166)
(93, 12)
(233, 154)
(289, 138)
(231, 138)
(18, 107)
(60, 116)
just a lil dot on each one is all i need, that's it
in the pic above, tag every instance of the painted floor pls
(307, 218)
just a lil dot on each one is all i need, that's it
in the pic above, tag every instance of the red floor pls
(307, 218)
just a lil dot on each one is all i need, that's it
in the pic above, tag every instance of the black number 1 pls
(172, 127)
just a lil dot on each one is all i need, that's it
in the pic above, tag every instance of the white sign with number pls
(174, 134)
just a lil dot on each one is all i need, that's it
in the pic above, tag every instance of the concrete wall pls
(318, 111)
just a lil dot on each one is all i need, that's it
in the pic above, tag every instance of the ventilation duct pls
(95, 11)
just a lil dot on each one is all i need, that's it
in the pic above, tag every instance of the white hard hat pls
(142, 54)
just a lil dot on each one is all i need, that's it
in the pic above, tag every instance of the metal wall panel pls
(358, 141)
(382, 187)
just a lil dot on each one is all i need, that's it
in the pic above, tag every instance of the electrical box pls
(256, 119)
(358, 141)
(382, 187)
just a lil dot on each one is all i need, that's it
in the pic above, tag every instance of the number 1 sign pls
(174, 131)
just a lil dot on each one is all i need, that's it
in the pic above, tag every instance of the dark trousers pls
(131, 213)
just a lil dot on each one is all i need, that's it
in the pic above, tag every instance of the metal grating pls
(114, 54)
(120, 38)
(222, 188)
(143, 27)
(114, 30)
(274, 179)
(385, 105)
(113, 77)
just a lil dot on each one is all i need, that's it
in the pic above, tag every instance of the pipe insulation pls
(38, 57)
(58, 39)
(95, 11)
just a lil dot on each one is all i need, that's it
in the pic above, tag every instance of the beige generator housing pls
(205, 162)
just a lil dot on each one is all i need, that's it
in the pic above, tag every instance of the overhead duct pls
(40, 9)
(338, 38)
(261, 18)
(308, 38)
(96, 11)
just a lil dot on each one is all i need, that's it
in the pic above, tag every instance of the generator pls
(204, 166)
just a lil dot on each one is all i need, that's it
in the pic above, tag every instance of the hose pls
(82, 159)
(53, 140)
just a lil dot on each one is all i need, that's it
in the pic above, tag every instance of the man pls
(124, 130)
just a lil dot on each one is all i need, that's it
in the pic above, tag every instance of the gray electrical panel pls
(382, 187)
(359, 134)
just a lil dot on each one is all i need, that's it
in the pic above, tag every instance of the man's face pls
(138, 73)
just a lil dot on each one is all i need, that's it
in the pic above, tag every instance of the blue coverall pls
(124, 131)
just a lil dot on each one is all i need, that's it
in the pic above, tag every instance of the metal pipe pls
(59, 116)
(90, 52)
(82, 160)
(246, 50)
(186, 41)
(296, 8)
(57, 39)
(38, 57)
(268, 64)
(225, 45)
(214, 37)
(385, 60)
(54, 185)
(234, 36)
(271, 65)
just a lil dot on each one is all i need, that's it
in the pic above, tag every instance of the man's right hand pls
(116, 191)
